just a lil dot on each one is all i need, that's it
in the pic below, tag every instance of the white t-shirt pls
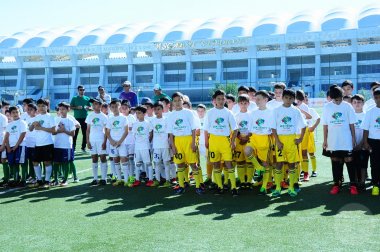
(369, 104)
(73, 119)
(244, 122)
(116, 125)
(141, 132)
(42, 137)
(314, 117)
(97, 123)
(15, 129)
(338, 119)
(24, 116)
(372, 123)
(220, 122)
(358, 127)
(273, 104)
(62, 140)
(160, 135)
(236, 109)
(3, 126)
(288, 121)
(262, 122)
(202, 131)
(30, 137)
(130, 139)
(181, 122)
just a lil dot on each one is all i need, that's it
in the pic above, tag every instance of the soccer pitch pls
(83, 218)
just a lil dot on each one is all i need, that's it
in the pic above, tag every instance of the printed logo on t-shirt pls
(337, 116)
(13, 129)
(219, 121)
(178, 122)
(157, 127)
(41, 122)
(358, 123)
(140, 129)
(260, 122)
(286, 120)
(243, 124)
(95, 121)
(378, 123)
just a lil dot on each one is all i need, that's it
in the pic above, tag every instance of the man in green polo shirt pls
(158, 94)
(80, 104)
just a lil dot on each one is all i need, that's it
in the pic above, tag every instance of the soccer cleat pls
(76, 180)
(155, 183)
(208, 181)
(334, 190)
(202, 186)
(199, 191)
(22, 184)
(64, 183)
(263, 191)
(137, 183)
(102, 182)
(167, 184)
(284, 185)
(269, 185)
(187, 184)
(219, 191)
(94, 183)
(258, 183)
(306, 176)
(234, 192)
(149, 183)
(276, 193)
(118, 183)
(292, 193)
(375, 191)
(314, 174)
(46, 185)
(180, 190)
(353, 190)
(173, 180)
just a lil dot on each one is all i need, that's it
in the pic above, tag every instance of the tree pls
(229, 88)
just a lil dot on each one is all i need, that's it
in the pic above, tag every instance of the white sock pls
(137, 171)
(125, 171)
(149, 167)
(167, 171)
(95, 170)
(49, 169)
(113, 170)
(157, 169)
(37, 170)
(118, 171)
(103, 169)
(172, 170)
(131, 166)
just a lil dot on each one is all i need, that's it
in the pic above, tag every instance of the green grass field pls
(83, 218)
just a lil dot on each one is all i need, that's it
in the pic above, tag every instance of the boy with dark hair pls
(277, 101)
(252, 105)
(348, 88)
(230, 100)
(371, 102)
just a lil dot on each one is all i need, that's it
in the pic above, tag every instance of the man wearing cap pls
(158, 94)
(127, 94)
(103, 96)
(80, 104)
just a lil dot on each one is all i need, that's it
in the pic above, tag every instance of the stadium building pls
(309, 51)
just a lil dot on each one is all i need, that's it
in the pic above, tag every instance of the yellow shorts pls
(219, 148)
(262, 146)
(239, 151)
(184, 152)
(305, 140)
(311, 146)
(290, 152)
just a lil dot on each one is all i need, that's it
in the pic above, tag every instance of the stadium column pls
(253, 66)
(21, 74)
(74, 81)
(219, 71)
(157, 73)
(48, 87)
(102, 75)
(354, 65)
(283, 68)
(317, 67)
(188, 73)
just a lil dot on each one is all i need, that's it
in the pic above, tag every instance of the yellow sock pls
(197, 178)
(186, 173)
(241, 172)
(218, 178)
(200, 174)
(209, 169)
(232, 178)
(292, 178)
(255, 163)
(213, 176)
(305, 165)
(181, 177)
(225, 172)
(278, 178)
(285, 170)
(265, 178)
(250, 172)
(313, 163)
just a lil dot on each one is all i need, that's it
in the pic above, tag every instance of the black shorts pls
(340, 154)
(44, 153)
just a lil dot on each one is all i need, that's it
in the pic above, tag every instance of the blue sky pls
(18, 15)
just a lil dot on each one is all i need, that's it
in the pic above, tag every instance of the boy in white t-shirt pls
(161, 150)
(142, 133)
(3, 152)
(63, 142)
(15, 145)
(371, 139)
(201, 112)
(45, 126)
(116, 132)
(312, 124)
(97, 141)
(339, 138)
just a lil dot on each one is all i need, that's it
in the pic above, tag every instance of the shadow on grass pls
(154, 200)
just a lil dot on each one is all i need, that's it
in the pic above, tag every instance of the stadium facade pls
(309, 51)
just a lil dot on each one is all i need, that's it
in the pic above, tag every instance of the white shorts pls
(202, 150)
(4, 154)
(108, 147)
(121, 151)
(142, 156)
(130, 149)
(97, 148)
(161, 154)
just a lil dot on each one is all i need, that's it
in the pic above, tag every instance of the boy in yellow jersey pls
(287, 120)
(219, 123)
(181, 128)
(243, 121)
(260, 144)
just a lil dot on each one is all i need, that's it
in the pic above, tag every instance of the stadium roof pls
(216, 28)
